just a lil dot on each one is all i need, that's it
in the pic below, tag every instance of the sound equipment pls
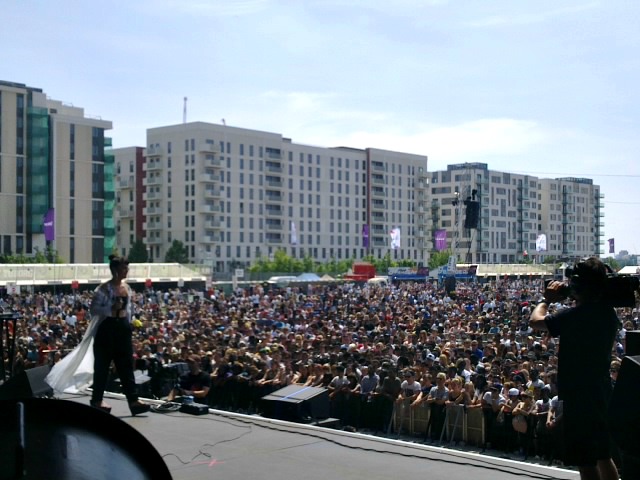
(194, 408)
(27, 384)
(632, 343)
(297, 403)
(624, 415)
(472, 214)
(46, 438)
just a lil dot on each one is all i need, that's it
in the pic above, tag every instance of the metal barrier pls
(461, 424)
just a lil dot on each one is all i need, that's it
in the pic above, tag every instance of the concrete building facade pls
(54, 161)
(521, 216)
(129, 207)
(233, 195)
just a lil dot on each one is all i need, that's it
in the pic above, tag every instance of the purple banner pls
(365, 236)
(440, 239)
(49, 225)
(612, 245)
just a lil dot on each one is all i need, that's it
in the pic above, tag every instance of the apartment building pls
(129, 186)
(234, 195)
(521, 216)
(55, 169)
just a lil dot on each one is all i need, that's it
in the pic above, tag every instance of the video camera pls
(618, 291)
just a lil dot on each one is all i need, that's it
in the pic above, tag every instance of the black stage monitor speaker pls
(297, 403)
(46, 438)
(472, 214)
(28, 384)
(624, 414)
(632, 342)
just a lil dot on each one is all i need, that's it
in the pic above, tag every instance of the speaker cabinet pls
(632, 342)
(624, 413)
(297, 403)
(28, 384)
(472, 214)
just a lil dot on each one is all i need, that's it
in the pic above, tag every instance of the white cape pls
(74, 372)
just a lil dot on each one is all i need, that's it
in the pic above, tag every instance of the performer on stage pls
(108, 338)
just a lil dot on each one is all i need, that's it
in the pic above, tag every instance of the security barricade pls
(461, 424)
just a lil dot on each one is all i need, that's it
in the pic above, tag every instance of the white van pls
(379, 281)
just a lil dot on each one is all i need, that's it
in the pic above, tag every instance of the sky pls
(546, 88)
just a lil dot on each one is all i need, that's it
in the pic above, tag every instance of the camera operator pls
(195, 384)
(590, 326)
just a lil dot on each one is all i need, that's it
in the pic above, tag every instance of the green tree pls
(177, 253)
(437, 259)
(612, 262)
(138, 252)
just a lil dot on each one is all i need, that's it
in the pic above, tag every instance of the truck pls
(361, 272)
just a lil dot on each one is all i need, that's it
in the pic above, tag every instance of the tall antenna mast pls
(184, 111)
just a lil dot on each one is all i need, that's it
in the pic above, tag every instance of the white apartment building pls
(234, 195)
(129, 171)
(54, 161)
(516, 213)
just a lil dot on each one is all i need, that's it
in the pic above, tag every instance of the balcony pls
(209, 208)
(273, 153)
(212, 238)
(212, 193)
(153, 241)
(152, 211)
(273, 212)
(208, 178)
(208, 147)
(378, 192)
(272, 238)
(271, 198)
(378, 167)
(212, 162)
(213, 224)
(274, 182)
(125, 183)
(377, 180)
(152, 165)
(378, 242)
(154, 151)
(155, 180)
(153, 195)
(155, 225)
(377, 205)
(126, 212)
(273, 167)
(273, 226)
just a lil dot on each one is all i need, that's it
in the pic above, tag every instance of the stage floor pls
(229, 446)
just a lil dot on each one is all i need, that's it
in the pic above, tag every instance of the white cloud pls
(222, 8)
(530, 18)
(470, 141)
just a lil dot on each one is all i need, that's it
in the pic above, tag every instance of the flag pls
(395, 238)
(612, 247)
(294, 233)
(365, 236)
(440, 240)
(525, 253)
(48, 223)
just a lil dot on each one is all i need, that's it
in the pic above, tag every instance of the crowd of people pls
(372, 347)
